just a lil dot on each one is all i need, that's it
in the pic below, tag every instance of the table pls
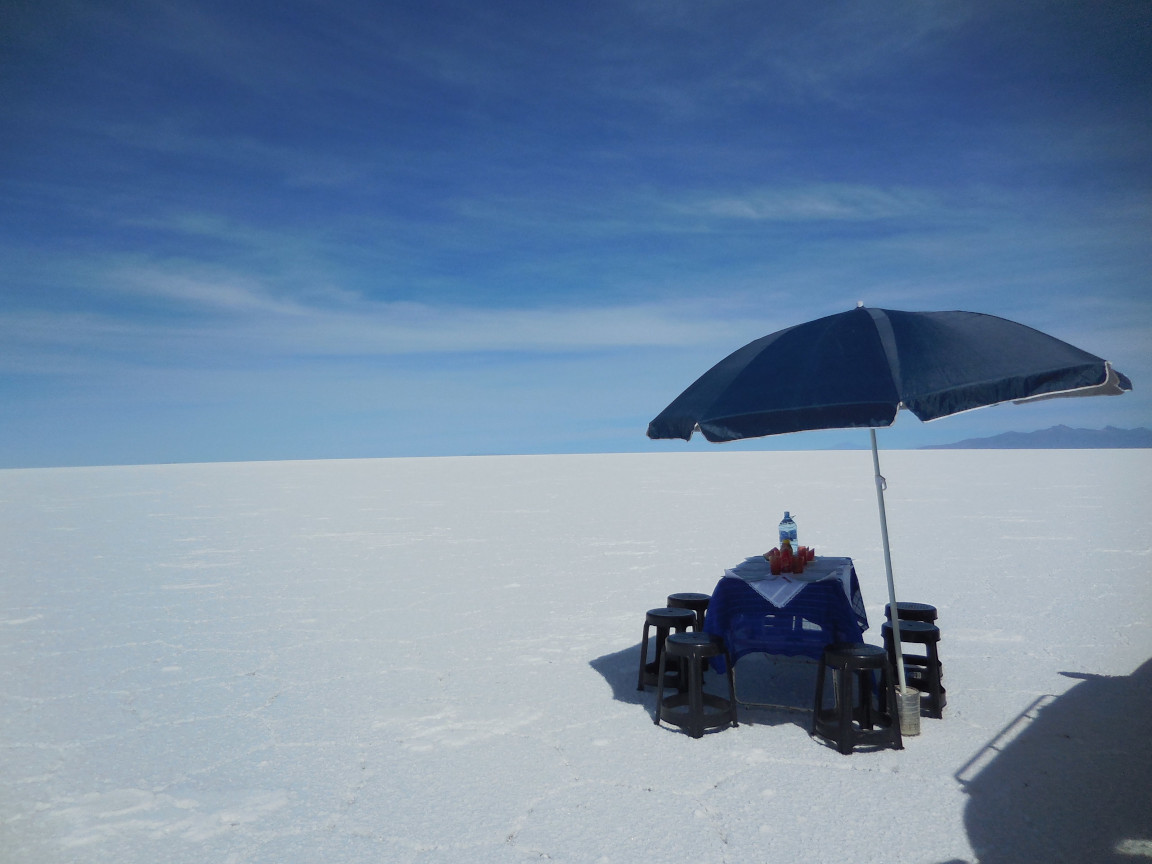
(811, 610)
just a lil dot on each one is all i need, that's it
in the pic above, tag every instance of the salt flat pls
(434, 660)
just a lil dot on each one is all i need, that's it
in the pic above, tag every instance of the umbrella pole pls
(895, 617)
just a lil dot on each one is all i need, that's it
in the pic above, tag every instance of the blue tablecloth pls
(821, 613)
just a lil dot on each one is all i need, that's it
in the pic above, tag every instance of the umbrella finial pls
(859, 304)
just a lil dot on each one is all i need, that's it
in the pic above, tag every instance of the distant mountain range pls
(1055, 438)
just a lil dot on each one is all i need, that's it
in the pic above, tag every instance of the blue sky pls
(234, 231)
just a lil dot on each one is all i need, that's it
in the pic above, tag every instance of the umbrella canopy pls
(859, 368)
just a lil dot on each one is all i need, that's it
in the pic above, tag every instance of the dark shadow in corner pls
(785, 682)
(1070, 779)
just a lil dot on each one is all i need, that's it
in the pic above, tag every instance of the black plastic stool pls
(664, 620)
(698, 603)
(701, 710)
(911, 611)
(856, 663)
(924, 672)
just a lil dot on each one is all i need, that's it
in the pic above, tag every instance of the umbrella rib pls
(887, 337)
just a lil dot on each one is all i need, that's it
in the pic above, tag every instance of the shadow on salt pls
(771, 690)
(1069, 779)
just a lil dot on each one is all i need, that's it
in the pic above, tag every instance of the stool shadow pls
(1070, 779)
(620, 670)
(785, 682)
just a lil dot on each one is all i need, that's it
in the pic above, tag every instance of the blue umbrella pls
(857, 369)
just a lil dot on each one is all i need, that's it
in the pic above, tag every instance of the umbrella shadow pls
(1069, 779)
(781, 687)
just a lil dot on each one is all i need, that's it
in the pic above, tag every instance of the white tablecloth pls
(779, 590)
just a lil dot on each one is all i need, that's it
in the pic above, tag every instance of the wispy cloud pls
(177, 318)
(821, 202)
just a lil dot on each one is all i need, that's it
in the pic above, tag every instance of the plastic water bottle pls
(788, 531)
